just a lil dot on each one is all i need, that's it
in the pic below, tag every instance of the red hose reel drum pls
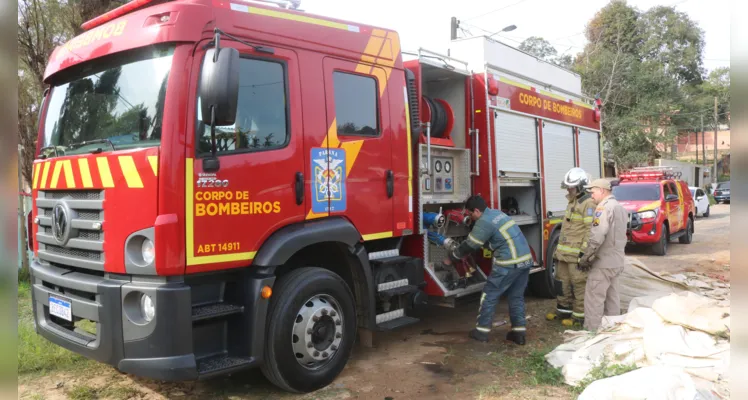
(441, 116)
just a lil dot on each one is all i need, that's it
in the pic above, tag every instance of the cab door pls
(673, 206)
(230, 211)
(352, 174)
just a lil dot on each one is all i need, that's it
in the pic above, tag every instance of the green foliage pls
(602, 371)
(544, 50)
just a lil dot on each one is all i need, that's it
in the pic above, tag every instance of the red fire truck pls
(225, 184)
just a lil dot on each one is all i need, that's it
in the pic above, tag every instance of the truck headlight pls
(648, 216)
(147, 309)
(148, 251)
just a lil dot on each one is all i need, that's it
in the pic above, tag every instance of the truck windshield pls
(116, 106)
(637, 191)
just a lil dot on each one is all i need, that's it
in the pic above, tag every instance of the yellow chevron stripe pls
(67, 168)
(153, 160)
(37, 167)
(130, 171)
(514, 83)
(43, 183)
(104, 173)
(56, 175)
(85, 172)
(190, 210)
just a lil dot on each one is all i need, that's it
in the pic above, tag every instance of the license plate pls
(60, 308)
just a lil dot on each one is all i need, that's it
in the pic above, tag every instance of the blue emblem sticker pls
(598, 214)
(328, 170)
(589, 212)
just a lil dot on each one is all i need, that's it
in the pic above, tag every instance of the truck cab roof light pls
(117, 12)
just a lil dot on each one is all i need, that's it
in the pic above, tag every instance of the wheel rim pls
(317, 331)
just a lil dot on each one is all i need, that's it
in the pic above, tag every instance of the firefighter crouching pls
(604, 256)
(575, 230)
(512, 261)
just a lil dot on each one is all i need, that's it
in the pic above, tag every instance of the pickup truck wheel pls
(543, 283)
(706, 213)
(688, 236)
(660, 248)
(311, 326)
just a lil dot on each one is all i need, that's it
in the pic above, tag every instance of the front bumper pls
(646, 233)
(170, 347)
(722, 197)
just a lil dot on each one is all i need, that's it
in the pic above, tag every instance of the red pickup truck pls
(660, 207)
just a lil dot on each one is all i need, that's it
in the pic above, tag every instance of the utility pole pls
(697, 147)
(716, 128)
(703, 141)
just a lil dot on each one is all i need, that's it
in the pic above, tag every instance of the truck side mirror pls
(219, 94)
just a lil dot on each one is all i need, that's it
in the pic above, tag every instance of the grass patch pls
(533, 366)
(493, 389)
(82, 392)
(35, 353)
(86, 392)
(602, 371)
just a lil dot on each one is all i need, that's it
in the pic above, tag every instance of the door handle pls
(299, 188)
(390, 183)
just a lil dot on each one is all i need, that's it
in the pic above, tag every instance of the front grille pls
(84, 246)
(76, 194)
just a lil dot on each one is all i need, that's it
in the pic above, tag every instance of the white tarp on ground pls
(679, 340)
(639, 281)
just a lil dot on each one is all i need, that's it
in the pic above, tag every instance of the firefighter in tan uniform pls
(575, 230)
(604, 256)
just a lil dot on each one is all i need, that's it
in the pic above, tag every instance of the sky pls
(421, 24)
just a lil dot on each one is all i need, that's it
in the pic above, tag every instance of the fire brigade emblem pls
(328, 169)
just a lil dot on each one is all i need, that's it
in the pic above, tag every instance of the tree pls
(544, 50)
(647, 69)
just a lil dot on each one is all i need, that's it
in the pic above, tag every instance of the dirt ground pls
(430, 360)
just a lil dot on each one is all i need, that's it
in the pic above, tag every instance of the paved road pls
(709, 250)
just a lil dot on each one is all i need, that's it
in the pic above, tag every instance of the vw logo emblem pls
(60, 224)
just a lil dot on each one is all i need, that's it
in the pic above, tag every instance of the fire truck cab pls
(227, 184)
(660, 206)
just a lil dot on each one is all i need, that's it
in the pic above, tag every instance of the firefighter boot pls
(478, 335)
(516, 336)
(561, 313)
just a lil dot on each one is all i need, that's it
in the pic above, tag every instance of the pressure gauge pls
(447, 167)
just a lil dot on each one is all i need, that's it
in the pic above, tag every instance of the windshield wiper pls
(87, 142)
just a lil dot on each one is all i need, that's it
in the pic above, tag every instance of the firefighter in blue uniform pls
(512, 261)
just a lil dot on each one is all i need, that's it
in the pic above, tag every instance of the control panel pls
(448, 179)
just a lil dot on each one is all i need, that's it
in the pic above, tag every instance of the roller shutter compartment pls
(516, 143)
(558, 158)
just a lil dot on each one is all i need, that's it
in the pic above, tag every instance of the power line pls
(493, 11)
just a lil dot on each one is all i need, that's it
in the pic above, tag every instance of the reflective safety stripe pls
(567, 249)
(482, 329)
(508, 237)
(519, 328)
(513, 260)
(576, 217)
(587, 220)
(577, 315)
(561, 310)
(474, 240)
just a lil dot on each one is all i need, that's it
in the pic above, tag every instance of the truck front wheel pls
(310, 330)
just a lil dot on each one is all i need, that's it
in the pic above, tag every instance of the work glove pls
(584, 264)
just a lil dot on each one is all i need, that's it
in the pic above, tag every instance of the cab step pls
(215, 310)
(398, 291)
(222, 364)
(393, 260)
(397, 323)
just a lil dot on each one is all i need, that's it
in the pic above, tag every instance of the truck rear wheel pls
(310, 330)
(543, 283)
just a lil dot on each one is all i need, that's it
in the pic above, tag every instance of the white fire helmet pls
(576, 177)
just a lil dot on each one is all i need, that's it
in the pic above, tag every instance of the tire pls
(706, 213)
(660, 248)
(297, 297)
(688, 237)
(543, 283)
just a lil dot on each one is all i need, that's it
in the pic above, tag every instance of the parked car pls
(700, 200)
(660, 205)
(722, 192)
